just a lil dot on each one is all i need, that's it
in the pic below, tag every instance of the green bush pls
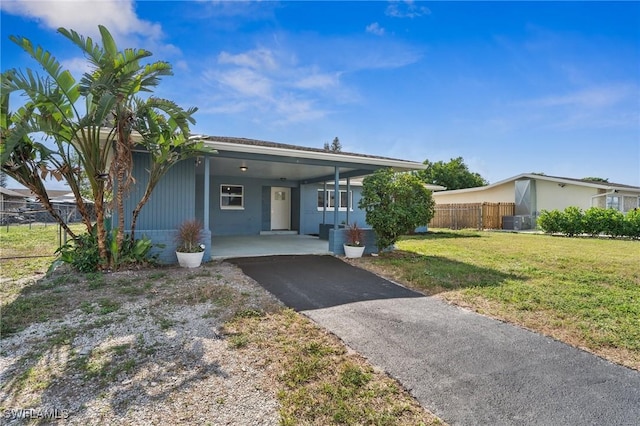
(395, 204)
(613, 223)
(632, 223)
(551, 222)
(595, 221)
(83, 254)
(572, 221)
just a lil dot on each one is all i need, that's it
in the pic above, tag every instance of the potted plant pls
(190, 248)
(354, 246)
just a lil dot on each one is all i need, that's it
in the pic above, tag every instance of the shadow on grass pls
(437, 235)
(435, 274)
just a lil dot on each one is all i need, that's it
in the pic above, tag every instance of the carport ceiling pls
(222, 166)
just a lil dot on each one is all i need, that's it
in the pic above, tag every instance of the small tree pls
(335, 146)
(395, 204)
(453, 175)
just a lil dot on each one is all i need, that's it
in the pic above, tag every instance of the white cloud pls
(595, 97)
(256, 59)
(406, 9)
(317, 81)
(84, 16)
(375, 28)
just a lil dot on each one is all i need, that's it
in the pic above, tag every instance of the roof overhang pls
(286, 162)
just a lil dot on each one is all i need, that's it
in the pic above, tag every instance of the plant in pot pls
(190, 248)
(354, 246)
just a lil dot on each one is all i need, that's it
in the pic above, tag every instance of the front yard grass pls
(583, 291)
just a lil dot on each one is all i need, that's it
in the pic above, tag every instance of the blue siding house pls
(249, 187)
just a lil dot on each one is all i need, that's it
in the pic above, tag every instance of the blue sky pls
(513, 87)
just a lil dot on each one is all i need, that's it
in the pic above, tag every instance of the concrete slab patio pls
(223, 247)
(466, 368)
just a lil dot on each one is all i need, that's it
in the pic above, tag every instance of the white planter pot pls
(350, 251)
(189, 260)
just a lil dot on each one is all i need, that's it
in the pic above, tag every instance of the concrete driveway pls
(466, 368)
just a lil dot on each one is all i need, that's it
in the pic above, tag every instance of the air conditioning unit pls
(518, 223)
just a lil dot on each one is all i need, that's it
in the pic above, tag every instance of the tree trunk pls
(100, 230)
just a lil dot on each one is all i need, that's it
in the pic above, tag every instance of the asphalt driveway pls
(466, 368)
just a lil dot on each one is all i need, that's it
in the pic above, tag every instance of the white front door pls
(280, 208)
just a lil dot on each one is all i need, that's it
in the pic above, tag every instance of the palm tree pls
(94, 118)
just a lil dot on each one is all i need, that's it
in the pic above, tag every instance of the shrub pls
(395, 204)
(632, 223)
(613, 222)
(354, 235)
(82, 253)
(550, 222)
(593, 221)
(189, 237)
(572, 221)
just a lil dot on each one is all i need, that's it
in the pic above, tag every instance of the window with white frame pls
(331, 200)
(613, 202)
(231, 197)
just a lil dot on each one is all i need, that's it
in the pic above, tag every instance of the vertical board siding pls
(471, 215)
(172, 201)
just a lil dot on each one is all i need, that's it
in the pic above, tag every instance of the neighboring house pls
(533, 193)
(61, 199)
(11, 202)
(248, 187)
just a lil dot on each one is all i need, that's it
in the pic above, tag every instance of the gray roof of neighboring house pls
(558, 179)
(11, 193)
(52, 193)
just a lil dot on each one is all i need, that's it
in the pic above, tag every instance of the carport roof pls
(240, 157)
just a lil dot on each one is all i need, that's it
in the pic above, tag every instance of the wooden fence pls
(471, 215)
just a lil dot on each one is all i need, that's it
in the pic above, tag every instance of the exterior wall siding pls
(250, 220)
(552, 196)
(504, 193)
(172, 201)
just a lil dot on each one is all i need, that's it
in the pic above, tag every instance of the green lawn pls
(585, 292)
(29, 250)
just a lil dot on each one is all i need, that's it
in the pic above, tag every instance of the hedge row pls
(594, 221)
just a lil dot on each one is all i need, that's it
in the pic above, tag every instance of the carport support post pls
(324, 204)
(206, 193)
(348, 198)
(336, 197)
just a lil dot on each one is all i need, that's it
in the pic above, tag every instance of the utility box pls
(518, 222)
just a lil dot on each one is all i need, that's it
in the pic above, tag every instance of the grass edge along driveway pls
(582, 291)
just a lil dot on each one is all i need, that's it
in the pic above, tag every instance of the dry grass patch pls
(320, 381)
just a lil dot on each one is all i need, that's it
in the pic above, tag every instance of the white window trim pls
(328, 200)
(223, 195)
